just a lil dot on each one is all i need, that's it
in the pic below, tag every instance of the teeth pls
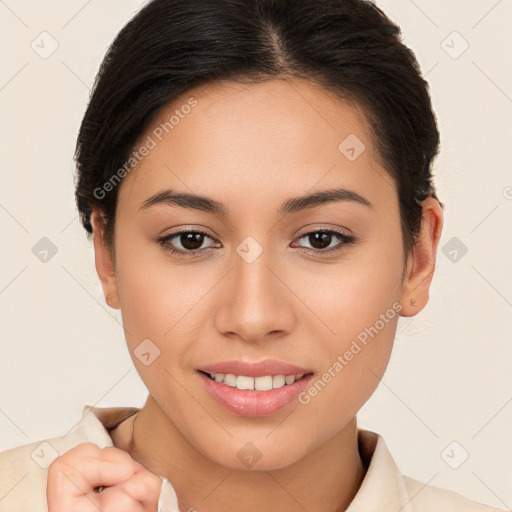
(243, 382)
(279, 381)
(230, 380)
(265, 383)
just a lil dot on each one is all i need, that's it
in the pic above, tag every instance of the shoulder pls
(24, 469)
(437, 499)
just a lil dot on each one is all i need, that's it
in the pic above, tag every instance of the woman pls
(257, 179)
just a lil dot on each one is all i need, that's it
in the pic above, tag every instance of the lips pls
(256, 369)
(254, 389)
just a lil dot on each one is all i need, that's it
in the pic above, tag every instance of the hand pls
(73, 479)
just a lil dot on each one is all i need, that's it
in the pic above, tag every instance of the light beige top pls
(24, 469)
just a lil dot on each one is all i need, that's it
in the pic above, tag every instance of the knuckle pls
(56, 466)
(71, 456)
(85, 449)
(114, 453)
(117, 455)
(81, 450)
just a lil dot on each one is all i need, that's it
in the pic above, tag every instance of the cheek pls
(356, 361)
(359, 307)
(160, 302)
(353, 295)
(154, 314)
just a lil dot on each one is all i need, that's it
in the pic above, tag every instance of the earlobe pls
(103, 262)
(422, 260)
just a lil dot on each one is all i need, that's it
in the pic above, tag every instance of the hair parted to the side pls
(349, 47)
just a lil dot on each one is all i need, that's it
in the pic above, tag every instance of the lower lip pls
(251, 403)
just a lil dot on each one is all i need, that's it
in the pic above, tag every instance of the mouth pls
(264, 383)
(254, 396)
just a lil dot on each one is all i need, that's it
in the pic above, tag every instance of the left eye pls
(321, 240)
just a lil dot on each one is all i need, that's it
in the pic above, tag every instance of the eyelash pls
(346, 241)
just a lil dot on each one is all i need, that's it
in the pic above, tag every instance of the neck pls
(325, 479)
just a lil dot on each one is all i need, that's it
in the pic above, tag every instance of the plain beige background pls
(447, 392)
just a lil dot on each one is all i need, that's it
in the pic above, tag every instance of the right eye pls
(190, 241)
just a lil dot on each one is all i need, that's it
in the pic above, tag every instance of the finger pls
(138, 494)
(82, 476)
(116, 499)
(111, 453)
(116, 455)
(66, 491)
(145, 487)
(76, 473)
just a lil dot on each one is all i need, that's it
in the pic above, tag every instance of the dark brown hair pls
(349, 47)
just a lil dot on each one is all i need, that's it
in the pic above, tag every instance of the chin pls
(257, 456)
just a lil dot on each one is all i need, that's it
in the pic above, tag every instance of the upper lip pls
(255, 369)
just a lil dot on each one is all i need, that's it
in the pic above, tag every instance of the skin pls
(252, 147)
(74, 476)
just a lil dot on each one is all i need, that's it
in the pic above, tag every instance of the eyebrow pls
(293, 205)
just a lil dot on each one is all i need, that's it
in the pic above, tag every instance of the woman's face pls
(266, 283)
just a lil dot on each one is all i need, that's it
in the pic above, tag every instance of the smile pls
(254, 397)
(265, 383)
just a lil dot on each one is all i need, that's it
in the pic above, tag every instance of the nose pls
(256, 303)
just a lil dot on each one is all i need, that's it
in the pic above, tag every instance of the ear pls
(421, 261)
(103, 261)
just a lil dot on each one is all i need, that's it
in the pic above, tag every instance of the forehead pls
(257, 140)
